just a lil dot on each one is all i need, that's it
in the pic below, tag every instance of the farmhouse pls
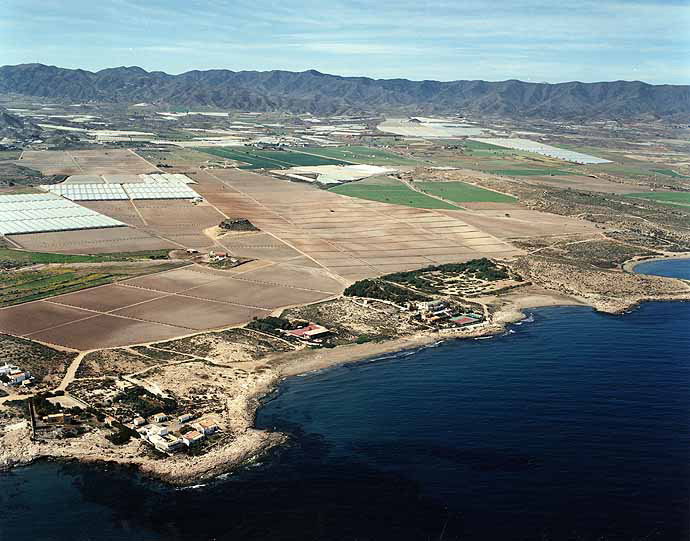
(310, 332)
(13, 375)
(206, 426)
(192, 437)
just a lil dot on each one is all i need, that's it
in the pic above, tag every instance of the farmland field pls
(264, 159)
(361, 154)
(668, 198)
(25, 286)
(530, 172)
(461, 192)
(32, 258)
(670, 173)
(396, 195)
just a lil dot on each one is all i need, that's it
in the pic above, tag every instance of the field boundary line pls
(336, 276)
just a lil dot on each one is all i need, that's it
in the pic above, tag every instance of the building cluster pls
(441, 312)
(219, 257)
(11, 375)
(172, 434)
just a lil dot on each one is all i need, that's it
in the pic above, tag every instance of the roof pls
(193, 435)
(35, 213)
(310, 330)
(206, 423)
(462, 320)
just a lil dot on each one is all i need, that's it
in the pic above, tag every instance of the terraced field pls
(396, 195)
(461, 192)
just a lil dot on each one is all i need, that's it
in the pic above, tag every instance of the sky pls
(539, 41)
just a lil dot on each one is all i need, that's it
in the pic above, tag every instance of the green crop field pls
(668, 198)
(33, 258)
(670, 173)
(360, 154)
(269, 159)
(397, 195)
(17, 287)
(460, 192)
(530, 172)
(478, 145)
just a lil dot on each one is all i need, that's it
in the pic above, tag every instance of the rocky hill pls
(319, 93)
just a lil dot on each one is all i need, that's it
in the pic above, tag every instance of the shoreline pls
(245, 443)
(631, 264)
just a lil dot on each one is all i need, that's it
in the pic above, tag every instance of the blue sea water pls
(573, 425)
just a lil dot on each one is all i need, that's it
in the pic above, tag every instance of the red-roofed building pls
(310, 332)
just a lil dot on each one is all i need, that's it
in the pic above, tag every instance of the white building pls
(192, 437)
(206, 426)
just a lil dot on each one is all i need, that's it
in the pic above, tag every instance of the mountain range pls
(323, 94)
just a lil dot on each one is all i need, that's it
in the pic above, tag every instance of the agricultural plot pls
(41, 258)
(157, 306)
(461, 192)
(396, 195)
(111, 240)
(349, 237)
(670, 173)
(264, 159)
(360, 154)
(24, 286)
(667, 198)
(34, 213)
(85, 162)
(432, 128)
(530, 172)
(526, 145)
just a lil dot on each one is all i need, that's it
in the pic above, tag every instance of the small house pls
(206, 426)
(192, 437)
(310, 332)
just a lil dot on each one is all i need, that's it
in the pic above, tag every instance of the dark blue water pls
(575, 426)
(675, 268)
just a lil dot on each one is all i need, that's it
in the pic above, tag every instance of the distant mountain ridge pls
(319, 93)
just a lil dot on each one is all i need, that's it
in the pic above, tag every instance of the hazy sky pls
(530, 40)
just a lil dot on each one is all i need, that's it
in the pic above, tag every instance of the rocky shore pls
(607, 291)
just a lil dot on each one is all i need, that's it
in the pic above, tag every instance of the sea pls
(572, 425)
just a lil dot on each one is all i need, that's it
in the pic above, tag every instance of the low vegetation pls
(380, 289)
(46, 364)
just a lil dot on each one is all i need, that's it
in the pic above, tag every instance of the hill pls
(13, 126)
(319, 93)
